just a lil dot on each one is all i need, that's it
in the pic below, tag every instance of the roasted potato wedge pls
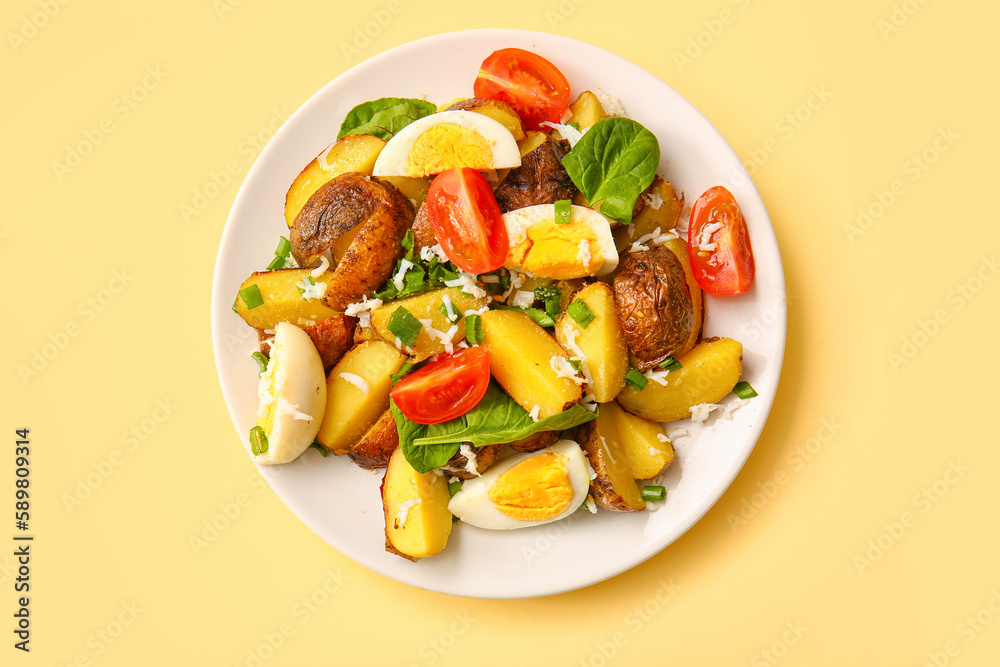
(647, 446)
(614, 487)
(355, 152)
(378, 443)
(362, 221)
(417, 520)
(333, 337)
(483, 458)
(495, 109)
(708, 372)
(350, 410)
(283, 301)
(520, 355)
(601, 342)
(535, 442)
(586, 110)
(679, 248)
(654, 305)
(660, 208)
(428, 306)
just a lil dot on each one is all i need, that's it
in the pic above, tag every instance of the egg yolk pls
(535, 489)
(557, 251)
(446, 146)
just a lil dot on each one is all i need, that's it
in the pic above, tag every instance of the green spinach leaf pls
(384, 117)
(612, 164)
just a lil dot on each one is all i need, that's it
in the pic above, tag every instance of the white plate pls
(338, 500)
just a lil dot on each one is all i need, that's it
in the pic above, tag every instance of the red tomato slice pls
(445, 388)
(536, 88)
(716, 219)
(467, 220)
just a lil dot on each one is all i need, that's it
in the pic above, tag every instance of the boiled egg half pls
(292, 394)
(526, 489)
(542, 247)
(446, 140)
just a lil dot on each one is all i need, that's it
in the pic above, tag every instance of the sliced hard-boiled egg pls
(446, 140)
(542, 247)
(526, 489)
(292, 394)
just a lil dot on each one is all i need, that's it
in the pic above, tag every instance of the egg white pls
(392, 160)
(520, 220)
(293, 389)
(473, 506)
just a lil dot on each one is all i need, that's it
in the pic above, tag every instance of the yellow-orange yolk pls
(554, 251)
(447, 146)
(535, 489)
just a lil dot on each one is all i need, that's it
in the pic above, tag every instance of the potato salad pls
(498, 301)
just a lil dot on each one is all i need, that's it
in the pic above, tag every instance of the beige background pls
(861, 531)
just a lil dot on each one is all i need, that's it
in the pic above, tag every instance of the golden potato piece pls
(378, 443)
(370, 217)
(654, 305)
(283, 301)
(586, 110)
(649, 217)
(414, 189)
(350, 410)
(648, 448)
(532, 140)
(495, 109)
(614, 487)
(601, 342)
(520, 360)
(708, 372)
(427, 306)
(417, 520)
(355, 152)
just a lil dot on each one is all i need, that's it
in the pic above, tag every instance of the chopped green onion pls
(318, 446)
(455, 312)
(581, 313)
(302, 292)
(540, 317)
(564, 212)
(670, 364)
(405, 326)
(258, 440)
(653, 493)
(401, 373)
(284, 248)
(236, 303)
(551, 297)
(261, 360)
(252, 297)
(474, 329)
(408, 240)
(744, 390)
(454, 487)
(575, 125)
(454, 519)
(505, 281)
(276, 263)
(576, 364)
(636, 380)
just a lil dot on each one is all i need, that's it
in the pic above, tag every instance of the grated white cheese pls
(653, 451)
(662, 438)
(564, 369)
(470, 459)
(404, 266)
(657, 375)
(612, 105)
(591, 505)
(728, 411)
(362, 310)
(404, 511)
(588, 402)
(357, 381)
(535, 411)
(523, 298)
(490, 279)
(429, 251)
(476, 311)
(568, 132)
(578, 355)
(303, 322)
(591, 473)
(584, 253)
(467, 282)
(286, 407)
(655, 237)
(451, 313)
(675, 433)
(324, 264)
(516, 280)
(655, 200)
(705, 237)
(700, 412)
(311, 290)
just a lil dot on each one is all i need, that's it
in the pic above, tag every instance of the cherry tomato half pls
(536, 88)
(716, 220)
(467, 220)
(445, 388)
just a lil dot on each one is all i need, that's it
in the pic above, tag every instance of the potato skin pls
(485, 457)
(654, 305)
(614, 478)
(541, 179)
(335, 209)
(333, 337)
(535, 442)
(378, 443)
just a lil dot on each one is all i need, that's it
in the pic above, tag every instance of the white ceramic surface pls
(340, 501)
